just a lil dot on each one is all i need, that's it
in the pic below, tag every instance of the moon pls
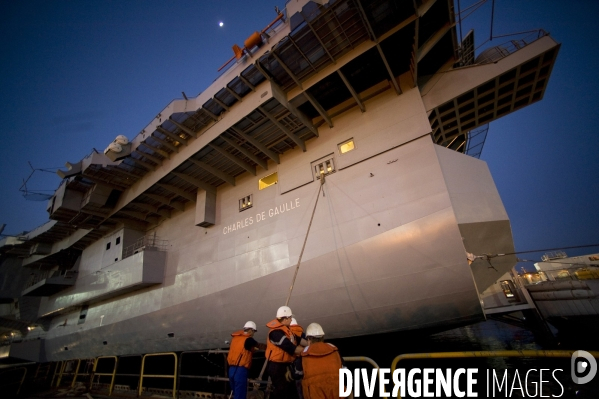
(221, 23)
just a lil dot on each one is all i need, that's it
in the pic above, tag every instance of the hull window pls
(245, 203)
(346, 146)
(268, 181)
(323, 167)
(82, 314)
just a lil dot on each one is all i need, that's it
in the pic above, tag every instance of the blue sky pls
(75, 74)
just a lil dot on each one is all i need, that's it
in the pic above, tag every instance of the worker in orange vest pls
(318, 366)
(240, 358)
(298, 331)
(282, 347)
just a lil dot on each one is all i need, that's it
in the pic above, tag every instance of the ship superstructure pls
(170, 240)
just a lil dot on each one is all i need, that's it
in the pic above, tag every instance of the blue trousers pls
(238, 378)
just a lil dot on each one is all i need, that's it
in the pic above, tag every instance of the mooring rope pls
(305, 240)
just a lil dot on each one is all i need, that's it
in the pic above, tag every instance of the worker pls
(318, 366)
(240, 358)
(282, 347)
(298, 331)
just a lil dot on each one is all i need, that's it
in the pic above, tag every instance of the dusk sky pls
(75, 74)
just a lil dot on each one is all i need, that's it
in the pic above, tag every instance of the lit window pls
(323, 167)
(268, 181)
(346, 146)
(507, 289)
(245, 203)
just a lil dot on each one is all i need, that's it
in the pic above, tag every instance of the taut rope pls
(305, 240)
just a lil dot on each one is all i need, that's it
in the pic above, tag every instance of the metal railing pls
(367, 360)
(57, 373)
(42, 275)
(566, 273)
(173, 376)
(509, 47)
(12, 381)
(149, 243)
(99, 375)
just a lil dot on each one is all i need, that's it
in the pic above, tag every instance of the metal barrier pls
(126, 378)
(208, 378)
(484, 354)
(367, 360)
(60, 365)
(173, 376)
(150, 243)
(100, 374)
(87, 372)
(4, 386)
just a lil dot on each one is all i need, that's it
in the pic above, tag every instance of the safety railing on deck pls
(9, 380)
(565, 273)
(484, 354)
(42, 275)
(128, 370)
(104, 363)
(143, 375)
(207, 378)
(492, 54)
(75, 369)
(159, 369)
(150, 243)
(367, 360)
(56, 374)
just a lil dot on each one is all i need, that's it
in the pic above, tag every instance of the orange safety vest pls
(273, 352)
(297, 330)
(238, 355)
(321, 363)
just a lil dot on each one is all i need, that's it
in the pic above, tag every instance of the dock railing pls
(9, 380)
(104, 362)
(367, 360)
(146, 375)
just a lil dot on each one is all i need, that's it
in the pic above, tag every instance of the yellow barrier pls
(484, 354)
(85, 362)
(112, 375)
(3, 387)
(173, 376)
(61, 372)
(367, 360)
(58, 366)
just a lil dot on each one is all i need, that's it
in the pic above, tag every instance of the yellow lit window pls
(268, 181)
(346, 146)
(245, 203)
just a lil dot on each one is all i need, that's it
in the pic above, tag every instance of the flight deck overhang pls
(462, 99)
(238, 124)
(313, 66)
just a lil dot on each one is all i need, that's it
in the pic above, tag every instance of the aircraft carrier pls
(175, 235)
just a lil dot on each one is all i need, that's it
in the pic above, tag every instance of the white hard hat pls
(293, 321)
(250, 324)
(314, 330)
(284, 311)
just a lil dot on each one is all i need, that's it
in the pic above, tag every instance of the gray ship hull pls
(174, 239)
(391, 258)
